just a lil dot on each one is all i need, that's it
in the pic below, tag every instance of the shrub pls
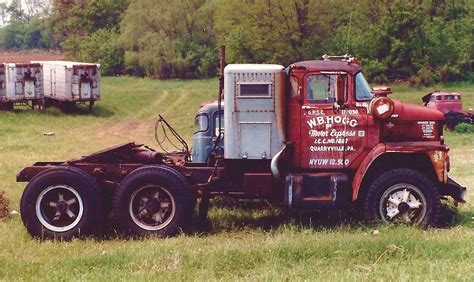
(464, 128)
(99, 47)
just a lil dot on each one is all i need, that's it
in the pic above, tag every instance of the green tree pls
(87, 30)
(177, 41)
(82, 17)
(100, 47)
(282, 31)
(421, 41)
(25, 29)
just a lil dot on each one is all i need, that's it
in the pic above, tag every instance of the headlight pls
(382, 107)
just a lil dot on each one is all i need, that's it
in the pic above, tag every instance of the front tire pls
(60, 203)
(153, 200)
(403, 196)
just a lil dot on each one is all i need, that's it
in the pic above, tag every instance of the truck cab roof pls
(320, 65)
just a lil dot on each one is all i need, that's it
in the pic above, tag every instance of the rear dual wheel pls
(6, 106)
(61, 203)
(153, 200)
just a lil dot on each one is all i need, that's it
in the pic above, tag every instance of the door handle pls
(305, 107)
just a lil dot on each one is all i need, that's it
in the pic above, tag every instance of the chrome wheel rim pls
(403, 203)
(152, 207)
(59, 208)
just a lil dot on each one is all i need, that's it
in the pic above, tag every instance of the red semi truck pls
(312, 135)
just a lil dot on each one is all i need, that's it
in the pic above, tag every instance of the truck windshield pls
(363, 91)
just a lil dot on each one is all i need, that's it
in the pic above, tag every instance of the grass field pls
(243, 241)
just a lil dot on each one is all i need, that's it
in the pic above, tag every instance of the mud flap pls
(453, 189)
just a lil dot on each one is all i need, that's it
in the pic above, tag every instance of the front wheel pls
(403, 196)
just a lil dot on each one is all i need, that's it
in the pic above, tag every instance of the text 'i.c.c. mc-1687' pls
(312, 135)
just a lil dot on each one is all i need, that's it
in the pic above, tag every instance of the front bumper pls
(453, 189)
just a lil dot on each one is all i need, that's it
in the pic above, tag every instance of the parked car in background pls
(450, 105)
(443, 101)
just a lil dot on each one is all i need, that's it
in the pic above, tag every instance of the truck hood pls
(407, 112)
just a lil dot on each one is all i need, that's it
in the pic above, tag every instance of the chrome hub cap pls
(59, 208)
(152, 207)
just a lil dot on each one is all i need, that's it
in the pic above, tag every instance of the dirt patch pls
(4, 210)
(26, 57)
(131, 127)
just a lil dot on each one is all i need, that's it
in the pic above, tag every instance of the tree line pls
(421, 41)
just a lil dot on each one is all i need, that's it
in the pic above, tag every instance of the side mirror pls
(341, 90)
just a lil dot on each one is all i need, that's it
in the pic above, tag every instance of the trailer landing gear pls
(38, 105)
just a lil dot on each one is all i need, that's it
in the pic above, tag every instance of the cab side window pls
(201, 123)
(320, 89)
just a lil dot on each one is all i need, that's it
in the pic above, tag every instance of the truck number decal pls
(326, 162)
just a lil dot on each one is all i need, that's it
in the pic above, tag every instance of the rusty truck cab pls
(358, 133)
(327, 136)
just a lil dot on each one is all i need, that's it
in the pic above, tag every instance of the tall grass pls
(242, 240)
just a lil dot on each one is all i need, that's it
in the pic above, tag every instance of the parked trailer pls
(21, 84)
(3, 98)
(68, 83)
(314, 135)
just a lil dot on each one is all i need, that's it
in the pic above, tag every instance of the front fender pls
(364, 167)
(427, 148)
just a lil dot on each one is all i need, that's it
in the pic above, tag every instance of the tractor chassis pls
(110, 166)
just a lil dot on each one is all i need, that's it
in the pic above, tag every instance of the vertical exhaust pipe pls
(220, 97)
(274, 164)
(222, 64)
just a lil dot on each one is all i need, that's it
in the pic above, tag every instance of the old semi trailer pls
(21, 84)
(312, 135)
(68, 83)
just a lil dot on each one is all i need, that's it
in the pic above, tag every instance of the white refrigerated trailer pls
(21, 84)
(69, 83)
